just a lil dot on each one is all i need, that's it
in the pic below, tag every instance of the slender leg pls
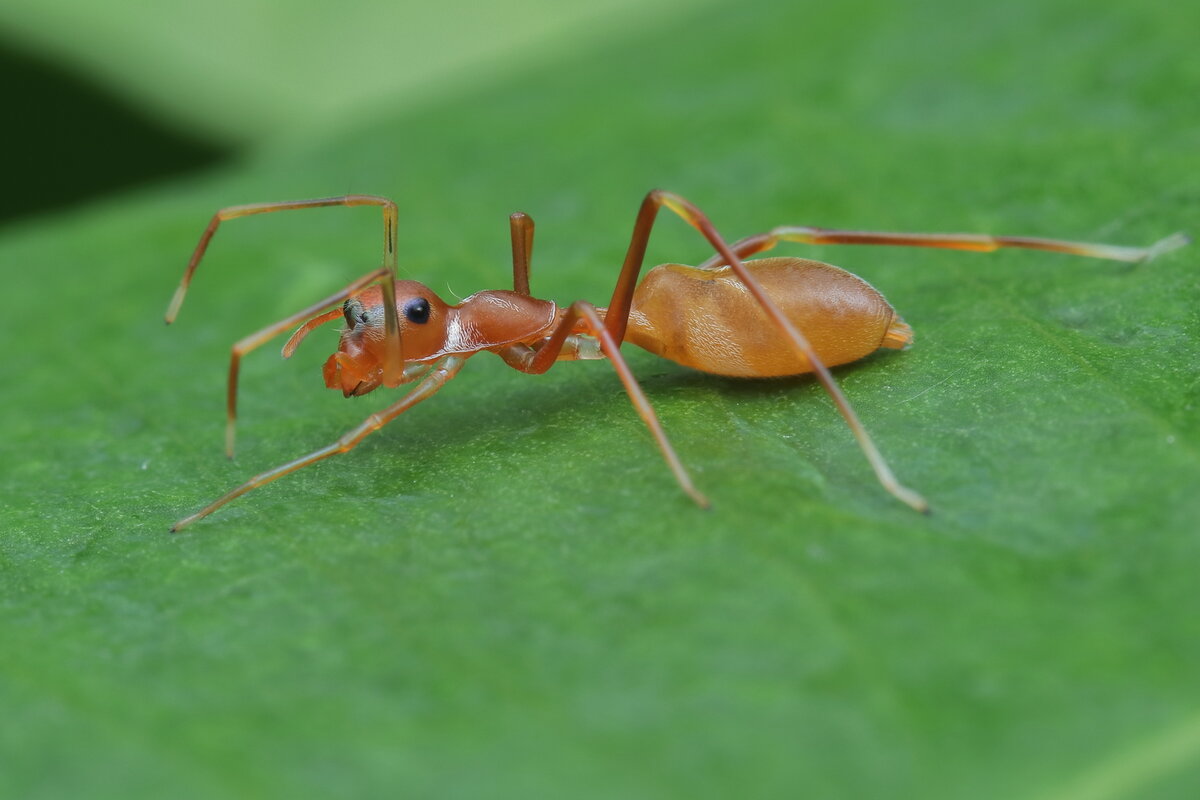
(394, 362)
(255, 340)
(435, 380)
(617, 318)
(538, 361)
(949, 241)
(521, 225)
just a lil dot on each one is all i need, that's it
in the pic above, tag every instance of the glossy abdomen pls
(708, 320)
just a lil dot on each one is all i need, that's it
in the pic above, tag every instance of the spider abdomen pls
(708, 320)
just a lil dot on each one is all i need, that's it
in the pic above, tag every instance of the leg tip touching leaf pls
(1172, 242)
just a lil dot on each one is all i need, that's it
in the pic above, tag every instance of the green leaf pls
(504, 594)
(243, 70)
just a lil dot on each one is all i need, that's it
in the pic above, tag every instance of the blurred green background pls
(504, 594)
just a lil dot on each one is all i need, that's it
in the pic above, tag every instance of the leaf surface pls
(504, 594)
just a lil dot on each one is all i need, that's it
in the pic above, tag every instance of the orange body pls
(706, 319)
(700, 318)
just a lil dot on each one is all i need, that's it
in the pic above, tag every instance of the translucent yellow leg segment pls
(977, 243)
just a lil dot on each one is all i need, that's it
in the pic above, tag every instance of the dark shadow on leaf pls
(74, 141)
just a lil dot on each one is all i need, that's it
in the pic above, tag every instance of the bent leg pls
(255, 340)
(437, 378)
(394, 362)
(617, 318)
(537, 361)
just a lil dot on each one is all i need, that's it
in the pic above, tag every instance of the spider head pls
(357, 366)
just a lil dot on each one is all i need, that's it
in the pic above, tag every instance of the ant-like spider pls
(764, 318)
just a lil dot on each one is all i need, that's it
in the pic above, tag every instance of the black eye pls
(417, 310)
